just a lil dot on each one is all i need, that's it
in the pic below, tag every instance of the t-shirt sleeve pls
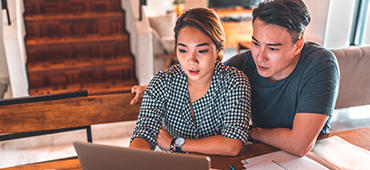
(320, 89)
(237, 119)
(151, 111)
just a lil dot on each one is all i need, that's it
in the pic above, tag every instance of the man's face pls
(273, 51)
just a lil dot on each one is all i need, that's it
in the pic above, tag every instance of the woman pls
(199, 105)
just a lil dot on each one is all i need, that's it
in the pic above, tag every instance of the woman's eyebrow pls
(203, 44)
(181, 44)
(199, 45)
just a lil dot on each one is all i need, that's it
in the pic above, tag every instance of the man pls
(294, 83)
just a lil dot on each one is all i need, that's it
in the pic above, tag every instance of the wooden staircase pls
(77, 45)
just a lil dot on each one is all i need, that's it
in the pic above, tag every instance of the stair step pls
(67, 25)
(33, 7)
(90, 46)
(71, 71)
(77, 45)
(108, 87)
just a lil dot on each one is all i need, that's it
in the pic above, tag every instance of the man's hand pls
(164, 138)
(139, 90)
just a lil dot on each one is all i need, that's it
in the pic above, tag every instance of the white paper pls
(342, 153)
(285, 159)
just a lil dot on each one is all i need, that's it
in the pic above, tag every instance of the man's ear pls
(299, 44)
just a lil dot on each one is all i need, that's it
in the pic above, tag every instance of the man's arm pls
(299, 140)
(139, 90)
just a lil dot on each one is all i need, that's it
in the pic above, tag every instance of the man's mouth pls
(262, 68)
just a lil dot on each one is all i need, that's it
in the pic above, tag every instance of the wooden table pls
(359, 137)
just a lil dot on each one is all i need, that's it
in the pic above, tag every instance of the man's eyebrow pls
(271, 44)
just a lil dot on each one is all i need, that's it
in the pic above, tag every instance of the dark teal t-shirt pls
(311, 88)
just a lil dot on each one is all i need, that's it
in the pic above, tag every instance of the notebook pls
(104, 157)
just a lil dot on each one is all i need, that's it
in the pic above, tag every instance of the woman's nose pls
(193, 59)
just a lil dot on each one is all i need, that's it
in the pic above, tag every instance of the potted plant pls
(179, 6)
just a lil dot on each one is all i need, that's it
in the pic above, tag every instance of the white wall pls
(15, 49)
(315, 31)
(140, 41)
(3, 66)
(366, 40)
(339, 23)
(160, 7)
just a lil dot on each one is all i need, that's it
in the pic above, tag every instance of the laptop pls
(105, 157)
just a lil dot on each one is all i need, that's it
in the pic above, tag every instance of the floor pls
(50, 147)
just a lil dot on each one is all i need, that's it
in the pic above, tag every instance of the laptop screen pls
(104, 157)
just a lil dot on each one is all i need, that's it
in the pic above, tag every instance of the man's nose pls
(261, 55)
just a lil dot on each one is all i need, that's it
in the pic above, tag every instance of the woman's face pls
(196, 54)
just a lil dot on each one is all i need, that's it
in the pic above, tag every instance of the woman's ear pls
(219, 55)
(299, 44)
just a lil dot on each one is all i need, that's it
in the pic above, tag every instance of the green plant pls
(176, 2)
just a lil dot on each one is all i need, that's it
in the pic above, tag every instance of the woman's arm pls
(140, 143)
(215, 145)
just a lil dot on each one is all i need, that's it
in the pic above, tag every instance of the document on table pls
(281, 160)
(342, 154)
(330, 153)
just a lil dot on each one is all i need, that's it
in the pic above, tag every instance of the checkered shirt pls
(224, 110)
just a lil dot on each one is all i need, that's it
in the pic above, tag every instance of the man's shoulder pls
(315, 53)
(242, 61)
(313, 50)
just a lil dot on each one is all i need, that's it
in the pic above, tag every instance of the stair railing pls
(142, 2)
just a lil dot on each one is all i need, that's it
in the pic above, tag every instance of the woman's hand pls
(139, 90)
(164, 138)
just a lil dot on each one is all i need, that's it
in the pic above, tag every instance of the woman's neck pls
(197, 89)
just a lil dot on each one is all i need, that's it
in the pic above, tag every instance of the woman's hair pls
(290, 14)
(205, 20)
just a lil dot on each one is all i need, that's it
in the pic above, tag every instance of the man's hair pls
(207, 21)
(290, 14)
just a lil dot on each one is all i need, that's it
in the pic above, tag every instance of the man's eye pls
(273, 49)
(255, 43)
(203, 51)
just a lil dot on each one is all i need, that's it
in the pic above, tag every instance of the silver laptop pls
(104, 157)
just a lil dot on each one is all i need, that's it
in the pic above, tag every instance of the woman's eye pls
(255, 43)
(203, 51)
(182, 51)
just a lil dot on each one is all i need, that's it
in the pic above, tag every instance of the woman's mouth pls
(193, 72)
